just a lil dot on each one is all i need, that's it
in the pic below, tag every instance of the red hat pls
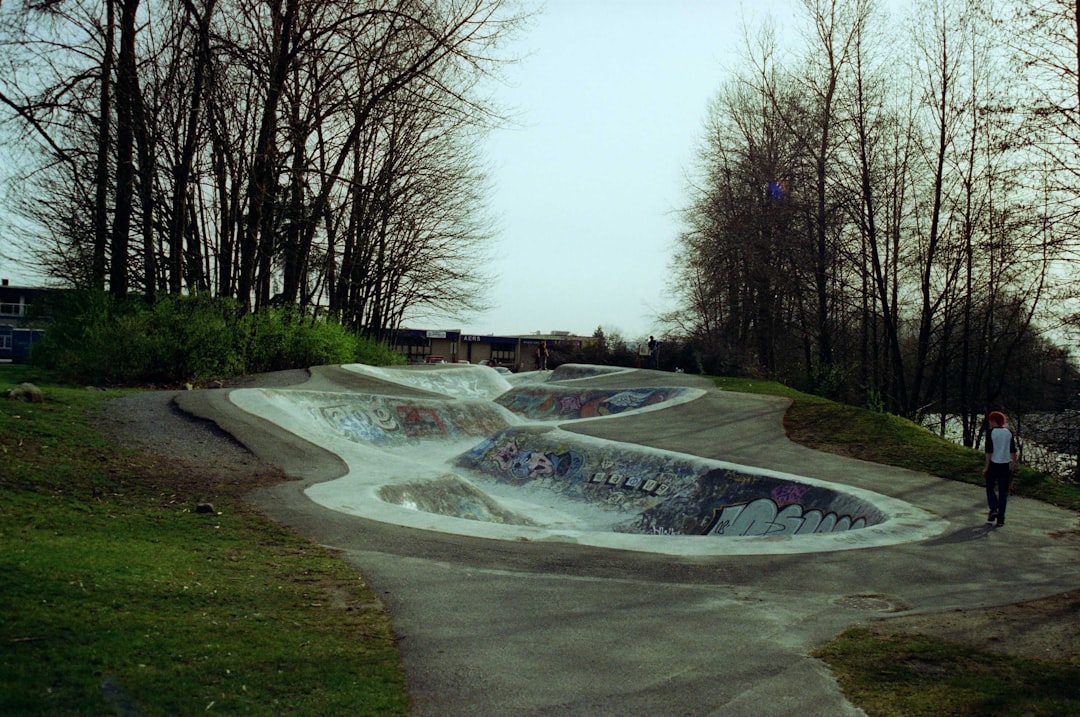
(996, 418)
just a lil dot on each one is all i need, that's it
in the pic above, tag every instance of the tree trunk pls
(126, 91)
(261, 185)
(101, 178)
(183, 169)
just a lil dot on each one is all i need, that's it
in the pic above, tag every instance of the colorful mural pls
(665, 494)
(553, 403)
(383, 420)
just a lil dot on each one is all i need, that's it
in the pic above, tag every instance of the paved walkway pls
(495, 627)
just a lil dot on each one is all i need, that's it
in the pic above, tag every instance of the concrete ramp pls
(653, 492)
(444, 456)
(574, 371)
(559, 403)
(451, 495)
(385, 421)
(453, 380)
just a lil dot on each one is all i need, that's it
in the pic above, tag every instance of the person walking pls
(1000, 466)
(541, 356)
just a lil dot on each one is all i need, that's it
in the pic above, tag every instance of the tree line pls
(322, 155)
(889, 212)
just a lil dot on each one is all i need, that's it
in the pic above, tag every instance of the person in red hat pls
(1000, 466)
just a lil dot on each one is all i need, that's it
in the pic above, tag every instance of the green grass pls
(915, 675)
(116, 593)
(918, 676)
(883, 438)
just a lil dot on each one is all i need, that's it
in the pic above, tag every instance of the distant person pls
(541, 356)
(654, 353)
(1000, 466)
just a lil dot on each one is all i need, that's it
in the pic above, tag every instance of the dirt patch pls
(1047, 629)
(199, 459)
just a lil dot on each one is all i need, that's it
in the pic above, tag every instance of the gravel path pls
(207, 459)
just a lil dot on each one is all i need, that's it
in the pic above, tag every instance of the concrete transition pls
(595, 541)
(460, 449)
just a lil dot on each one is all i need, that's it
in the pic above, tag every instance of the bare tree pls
(879, 145)
(914, 240)
(237, 125)
(836, 31)
(102, 183)
(739, 265)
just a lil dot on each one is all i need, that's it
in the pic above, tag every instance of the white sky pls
(612, 96)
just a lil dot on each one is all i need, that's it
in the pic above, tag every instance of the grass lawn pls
(119, 598)
(917, 675)
(883, 438)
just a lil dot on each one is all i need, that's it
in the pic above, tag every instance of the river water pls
(1048, 442)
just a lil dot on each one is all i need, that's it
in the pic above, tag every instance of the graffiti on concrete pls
(526, 464)
(765, 517)
(615, 477)
(729, 502)
(666, 494)
(451, 495)
(563, 404)
(382, 420)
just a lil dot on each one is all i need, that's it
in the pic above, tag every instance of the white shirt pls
(1002, 440)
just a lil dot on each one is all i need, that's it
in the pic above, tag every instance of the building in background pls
(454, 346)
(20, 324)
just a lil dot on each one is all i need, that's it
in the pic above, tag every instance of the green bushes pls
(96, 339)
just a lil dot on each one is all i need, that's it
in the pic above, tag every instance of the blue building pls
(19, 326)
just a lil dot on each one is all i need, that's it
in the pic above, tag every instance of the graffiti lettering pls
(764, 516)
(673, 496)
(789, 493)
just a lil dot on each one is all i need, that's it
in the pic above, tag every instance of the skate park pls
(596, 541)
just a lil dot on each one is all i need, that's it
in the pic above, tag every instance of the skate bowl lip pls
(362, 492)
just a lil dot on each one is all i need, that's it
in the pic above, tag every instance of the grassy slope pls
(115, 593)
(884, 438)
(916, 675)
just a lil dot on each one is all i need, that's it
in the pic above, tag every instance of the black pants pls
(998, 478)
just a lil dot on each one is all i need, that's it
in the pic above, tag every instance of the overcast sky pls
(612, 96)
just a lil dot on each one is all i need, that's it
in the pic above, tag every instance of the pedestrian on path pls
(1000, 466)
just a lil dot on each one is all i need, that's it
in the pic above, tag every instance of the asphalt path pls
(494, 627)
